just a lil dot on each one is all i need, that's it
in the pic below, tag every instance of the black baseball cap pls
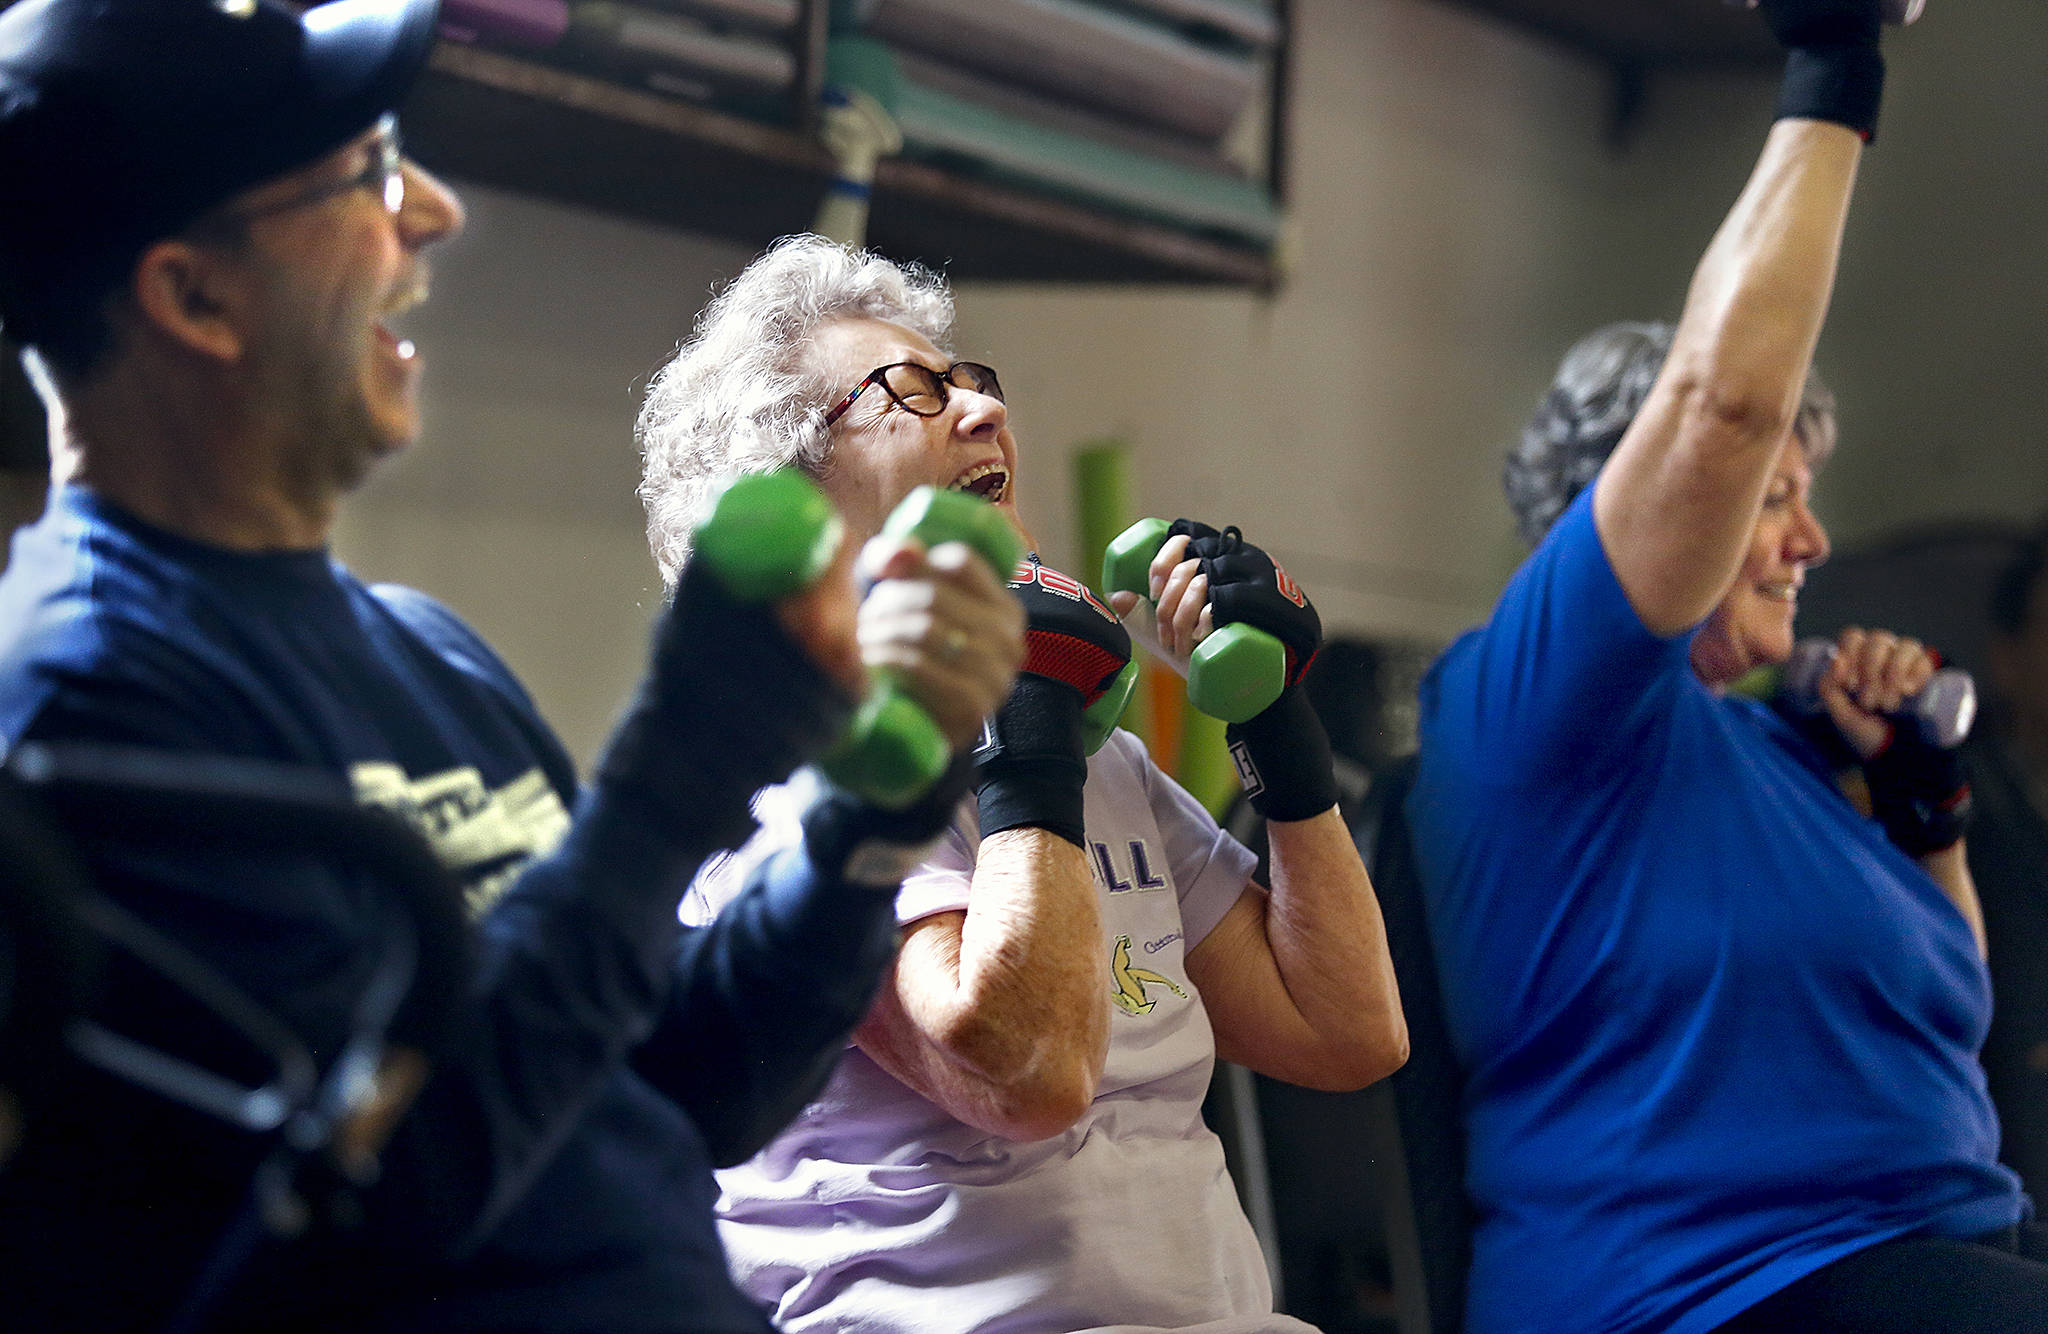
(121, 121)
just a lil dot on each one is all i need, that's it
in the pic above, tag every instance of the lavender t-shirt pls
(877, 1211)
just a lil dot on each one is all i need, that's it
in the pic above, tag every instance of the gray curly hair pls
(739, 397)
(1598, 390)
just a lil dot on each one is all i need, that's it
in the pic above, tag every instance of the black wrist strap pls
(1920, 794)
(1842, 84)
(1283, 759)
(1031, 769)
(729, 704)
(849, 840)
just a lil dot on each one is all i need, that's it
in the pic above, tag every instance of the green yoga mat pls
(1200, 759)
(941, 126)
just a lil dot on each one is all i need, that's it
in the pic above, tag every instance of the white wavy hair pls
(1599, 388)
(740, 395)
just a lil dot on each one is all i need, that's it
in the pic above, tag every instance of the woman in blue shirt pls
(1719, 1028)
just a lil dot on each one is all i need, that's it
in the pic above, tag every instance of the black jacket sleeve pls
(573, 963)
(764, 998)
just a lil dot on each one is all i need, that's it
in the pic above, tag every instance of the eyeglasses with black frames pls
(918, 389)
(385, 175)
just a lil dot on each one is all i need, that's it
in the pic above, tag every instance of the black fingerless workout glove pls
(730, 703)
(1032, 763)
(1919, 793)
(1282, 754)
(1833, 68)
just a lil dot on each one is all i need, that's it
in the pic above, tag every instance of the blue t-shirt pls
(540, 1182)
(1717, 1031)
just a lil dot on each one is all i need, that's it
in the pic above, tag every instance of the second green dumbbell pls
(770, 534)
(893, 751)
(773, 534)
(1234, 673)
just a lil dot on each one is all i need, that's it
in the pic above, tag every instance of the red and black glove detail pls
(1246, 586)
(1919, 792)
(1069, 635)
(1032, 763)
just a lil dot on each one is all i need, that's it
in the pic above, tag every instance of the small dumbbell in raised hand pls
(894, 751)
(1248, 669)
(1237, 670)
(1939, 714)
(773, 534)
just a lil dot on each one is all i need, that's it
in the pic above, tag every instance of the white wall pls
(517, 507)
(1458, 220)
(1938, 343)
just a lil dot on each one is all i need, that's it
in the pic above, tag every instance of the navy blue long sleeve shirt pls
(539, 1182)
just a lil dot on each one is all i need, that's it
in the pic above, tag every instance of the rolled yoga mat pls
(1139, 70)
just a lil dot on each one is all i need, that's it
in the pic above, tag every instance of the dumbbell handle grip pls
(893, 752)
(1939, 713)
(1233, 674)
(774, 534)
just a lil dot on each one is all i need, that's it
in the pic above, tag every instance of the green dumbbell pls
(1238, 670)
(1099, 719)
(893, 751)
(770, 534)
(773, 534)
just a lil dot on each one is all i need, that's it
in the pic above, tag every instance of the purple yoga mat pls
(534, 24)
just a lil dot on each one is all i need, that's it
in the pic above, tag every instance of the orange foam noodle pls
(1167, 696)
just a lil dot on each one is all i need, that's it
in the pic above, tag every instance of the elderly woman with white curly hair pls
(1718, 1027)
(1014, 1139)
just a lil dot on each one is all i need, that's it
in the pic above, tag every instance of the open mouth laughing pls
(990, 481)
(409, 296)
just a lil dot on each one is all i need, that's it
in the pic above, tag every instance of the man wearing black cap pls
(206, 227)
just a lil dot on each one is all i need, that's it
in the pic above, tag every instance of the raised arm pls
(1297, 980)
(765, 996)
(1676, 503)
(999, 1013)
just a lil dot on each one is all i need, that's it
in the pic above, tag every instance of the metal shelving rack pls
(513, 122)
